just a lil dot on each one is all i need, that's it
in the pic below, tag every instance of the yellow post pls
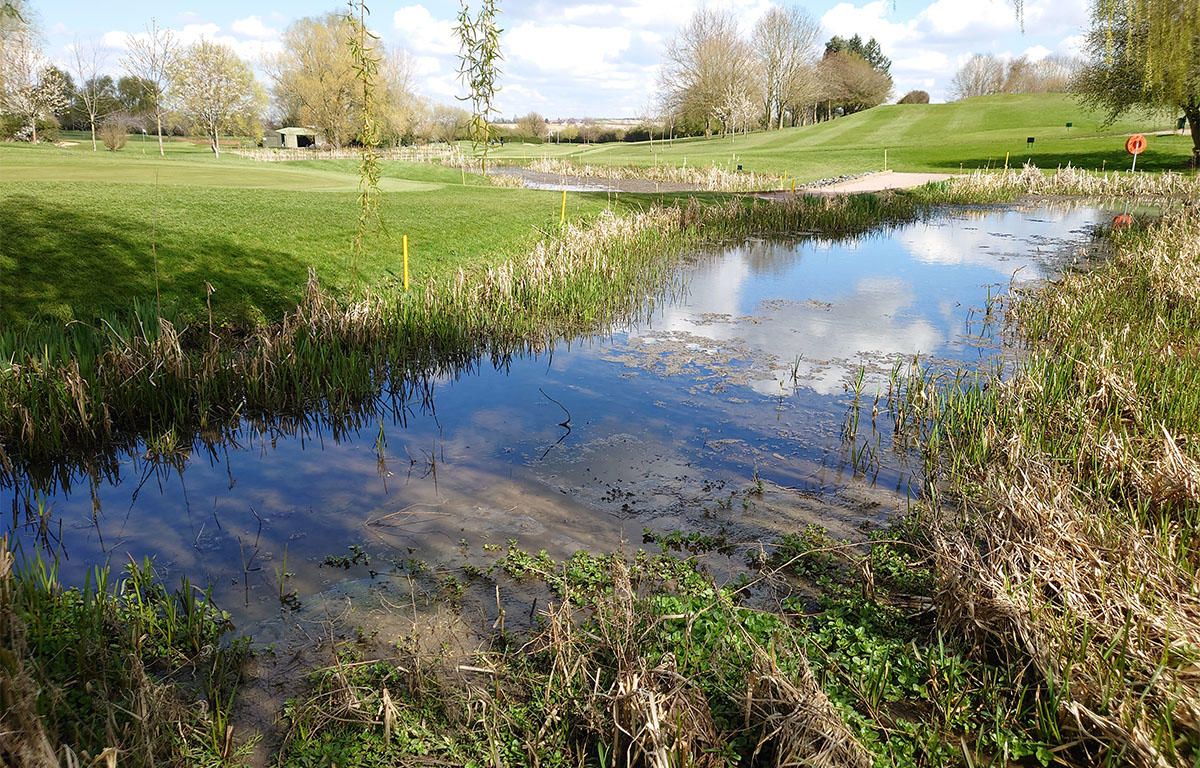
(405, 240)
(1006, 161)
(562, 217)
(885, 159)
(464, 175)
(793, 187)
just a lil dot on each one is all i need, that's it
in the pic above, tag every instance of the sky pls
(590, 58)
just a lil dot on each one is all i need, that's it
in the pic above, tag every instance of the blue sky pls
(577, 58)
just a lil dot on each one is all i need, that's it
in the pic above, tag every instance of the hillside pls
(970, 134)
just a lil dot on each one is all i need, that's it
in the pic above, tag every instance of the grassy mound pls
(931, 138)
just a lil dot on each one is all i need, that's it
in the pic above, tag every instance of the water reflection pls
(669, 423)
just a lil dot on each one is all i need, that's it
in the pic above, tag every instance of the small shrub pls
(914, 97)
(114, 132)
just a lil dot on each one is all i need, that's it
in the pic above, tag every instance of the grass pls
(1069, 497)
(81, 388)
(645, 660)
(931, 138)
(120, 672)
(82, 235)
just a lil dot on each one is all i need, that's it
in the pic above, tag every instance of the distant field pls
(918, 137)
(76, 228)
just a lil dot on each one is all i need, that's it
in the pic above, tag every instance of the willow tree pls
(1145, 54)
(479, 68)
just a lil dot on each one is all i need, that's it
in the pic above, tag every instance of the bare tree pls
(784, 44)
(982, 75)
(149, 58)
(853, 84)
(115, 131)
(707, 67)
(30, 87)
(398, 105)
(532, 125)
(89, 61)
(445, 123)
(215, 88)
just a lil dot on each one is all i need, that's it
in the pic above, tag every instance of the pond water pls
(722, 413)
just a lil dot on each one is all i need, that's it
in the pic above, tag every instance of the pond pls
(721, 413)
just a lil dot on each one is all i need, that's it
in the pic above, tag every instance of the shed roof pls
(297, 131)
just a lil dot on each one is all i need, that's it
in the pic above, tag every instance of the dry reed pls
(1069, 181)
(711, 178)
(1075, 547)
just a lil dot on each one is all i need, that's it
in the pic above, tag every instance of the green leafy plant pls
(479, 68)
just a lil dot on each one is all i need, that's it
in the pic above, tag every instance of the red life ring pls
(1136, 144)
(1123, 221)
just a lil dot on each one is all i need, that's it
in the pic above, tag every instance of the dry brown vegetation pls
(710, 178)
(1074, 548)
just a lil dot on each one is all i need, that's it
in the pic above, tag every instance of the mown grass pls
(934, 138)
(84, 235)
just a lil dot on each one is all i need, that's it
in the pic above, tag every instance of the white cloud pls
(117, 39)
(569, 49)
(1037, 52)
(252, 26)
(250, 50)
(965, 21)
(846, 19)
(422, 33)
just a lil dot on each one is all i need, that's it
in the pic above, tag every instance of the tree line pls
(715, 79)
(161, 86)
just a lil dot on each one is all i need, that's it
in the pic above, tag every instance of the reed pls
(75, 389)
(120, 671)
(1066, 181)
(1069, 496)
(712, 178)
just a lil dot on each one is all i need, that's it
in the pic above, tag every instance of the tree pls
(784, 44)
(1145, 54)
(869, 52)
(93, 93)
(532, 125)
(981, 75)
(150, 58)
(852, 84)
(106, 97)
(914, 97)
(398, 105)
(32, 89)
(115, 131)
(314, 80)
(445, 123)
(133, 96)
(479, 60)
(214, 88)
(707, 69)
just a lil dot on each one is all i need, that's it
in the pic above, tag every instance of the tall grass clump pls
(638, 661)
(77, 388)
(115, 673)
(1073, 540)
(711, 178)
(445, 154)
(1066, 181)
